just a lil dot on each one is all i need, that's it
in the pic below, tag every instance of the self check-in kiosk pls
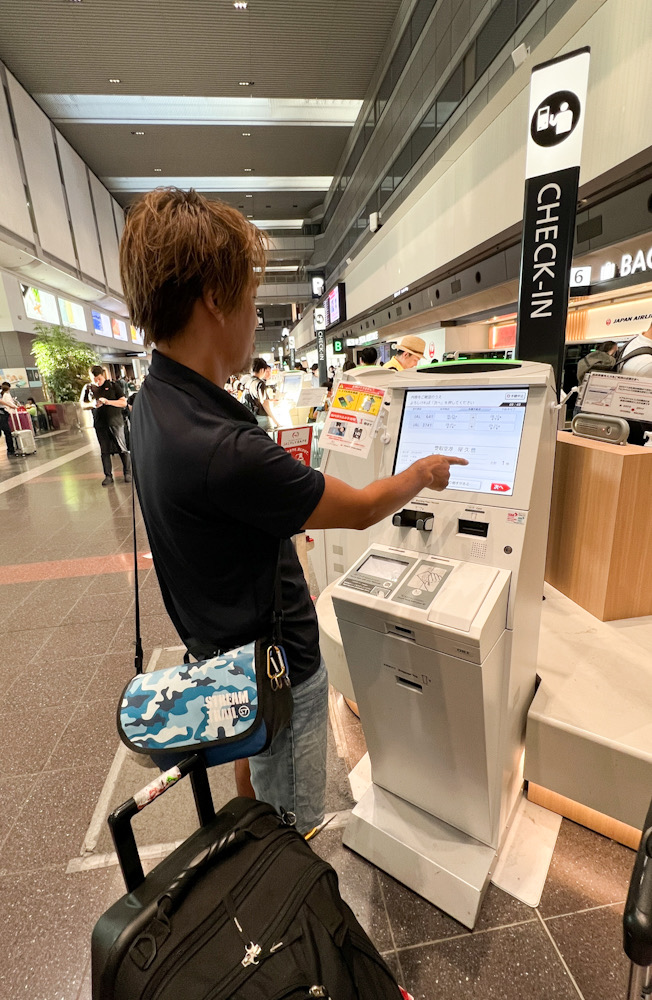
(439, 620)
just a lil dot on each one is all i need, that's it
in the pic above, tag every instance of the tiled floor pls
(67, 652)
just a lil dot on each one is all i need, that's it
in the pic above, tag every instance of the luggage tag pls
(277, 667)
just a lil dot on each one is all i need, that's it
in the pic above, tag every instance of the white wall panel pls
(81, 210)
(14, 214)
(119, 216)
(477, 191)
(37, 146)
(106, 225)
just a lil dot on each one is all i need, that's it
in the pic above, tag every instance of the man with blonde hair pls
(221, 501)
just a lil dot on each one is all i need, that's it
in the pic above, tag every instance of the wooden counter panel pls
(629, 587)
(600, 539)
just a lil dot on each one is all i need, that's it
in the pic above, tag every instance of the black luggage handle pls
(120, 820)
(637, 919)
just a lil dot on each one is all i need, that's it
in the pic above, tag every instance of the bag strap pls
(277, 618)
(138, 657)
(624, 358)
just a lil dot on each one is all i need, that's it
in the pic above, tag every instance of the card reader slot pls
(480, 529)
(410, 685)
(400, 631)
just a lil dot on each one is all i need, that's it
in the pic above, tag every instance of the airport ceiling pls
(255, 102)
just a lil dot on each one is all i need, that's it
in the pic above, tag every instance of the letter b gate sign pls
(554, 144)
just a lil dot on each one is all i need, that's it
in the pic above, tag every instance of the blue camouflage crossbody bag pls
(228, 705)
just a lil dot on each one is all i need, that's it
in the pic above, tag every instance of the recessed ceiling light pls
(250, 216)
(248, 196)
(114, 79)
(246, 133)
(240, 4)
(157, 170)
(248, 170)
(138, 133)
(245, 83)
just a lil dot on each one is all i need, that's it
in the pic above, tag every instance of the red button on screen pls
(499, 488)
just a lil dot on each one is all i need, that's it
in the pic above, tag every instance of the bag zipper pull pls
(252, 951)
(318, 991)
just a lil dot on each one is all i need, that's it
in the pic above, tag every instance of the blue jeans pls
(291, 773)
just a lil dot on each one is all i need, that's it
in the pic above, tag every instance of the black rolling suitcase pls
(637, 920)
(243, 909)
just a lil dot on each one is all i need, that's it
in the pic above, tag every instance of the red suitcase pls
(20, 420)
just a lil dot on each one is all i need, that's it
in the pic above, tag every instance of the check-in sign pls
(555, 125)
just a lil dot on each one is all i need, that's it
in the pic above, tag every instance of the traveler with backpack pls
(636, 356)
(256, 397)
(601, 360)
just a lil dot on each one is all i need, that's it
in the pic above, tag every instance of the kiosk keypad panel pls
(377, 574)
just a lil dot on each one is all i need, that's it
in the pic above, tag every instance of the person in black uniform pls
(107, 401)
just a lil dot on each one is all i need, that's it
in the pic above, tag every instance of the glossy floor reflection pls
(68, 633)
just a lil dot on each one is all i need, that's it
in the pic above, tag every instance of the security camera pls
(520, 54)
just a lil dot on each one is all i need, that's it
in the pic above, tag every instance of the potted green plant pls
(63, 363)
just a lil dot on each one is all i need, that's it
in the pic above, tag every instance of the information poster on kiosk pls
(297, 441)
(352, 418)
(619, 396)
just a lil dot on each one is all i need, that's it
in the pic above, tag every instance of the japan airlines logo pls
(555, 118)
(499, 488)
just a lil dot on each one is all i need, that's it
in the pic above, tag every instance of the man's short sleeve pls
(255, 481)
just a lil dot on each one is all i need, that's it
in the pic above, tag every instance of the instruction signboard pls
(619, 396)
(352, 418)
(297, 441)
(311, 396)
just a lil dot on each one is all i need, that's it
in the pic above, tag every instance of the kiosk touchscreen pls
(482, 425)
(439, 620)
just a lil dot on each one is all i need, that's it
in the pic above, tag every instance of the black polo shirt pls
(105, 416)
(218, 497)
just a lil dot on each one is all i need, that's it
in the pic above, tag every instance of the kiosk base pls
(442, 864)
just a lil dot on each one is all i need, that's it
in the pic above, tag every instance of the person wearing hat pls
(410, 351)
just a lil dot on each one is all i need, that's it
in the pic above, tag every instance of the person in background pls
(641, 365)
(107, 401)
(39, 419)
(603, 360)
(256, 395)
(348, 365)
(368, 356)
(411, 349)
(636, 359)
(7, 404)
(314, 376)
